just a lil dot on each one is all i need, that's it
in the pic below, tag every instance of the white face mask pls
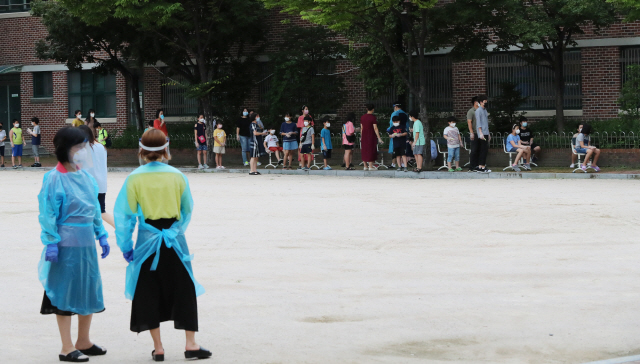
(92, 114)
(79, 116)
(286, 119)
(328, 125)
(518, 131)
(219, 126)
(306, 123)
(453, 125)
(580, 130)
(80, 157)
(258, 119)
(244, 113)
(16, 125)
(201, 120)
(396, 124)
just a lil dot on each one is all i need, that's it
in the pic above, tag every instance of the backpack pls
(107, 142)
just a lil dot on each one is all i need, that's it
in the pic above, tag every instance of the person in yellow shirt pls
(78, 120)
(17, 141)
(219, 140)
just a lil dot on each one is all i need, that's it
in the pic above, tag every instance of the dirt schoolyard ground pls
(312, 269)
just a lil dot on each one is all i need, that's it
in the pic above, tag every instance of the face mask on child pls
(92, 115)
(306, 123)
(453, 125)
(396, 124)
(201, 120)
(272, 132)
(518, 131)
(524, 125)
(258, 119)
(219, 126)
(305, 112)
(79, 116)
(244, 113)
(286, 119)
(328, 124)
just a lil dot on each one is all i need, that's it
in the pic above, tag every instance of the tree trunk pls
(558, 81)
(135, 93)
(422, 97)
(207, 111)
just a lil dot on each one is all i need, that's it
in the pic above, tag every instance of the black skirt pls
(47, 308)
(166, 294)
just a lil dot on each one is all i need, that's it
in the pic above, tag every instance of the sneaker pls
(451, 170)
(280, 161)
(305, 169)
(572, 165)
(327, 168)
(485, 170)
(205, 166)
(399, 169)
(200, 166)
(34, 165)
(2, 166)
(223, 167)
(534, 159)
(596, 168)
(218, 167)
(259, 163)
(515, 168)
(405, 169)
(300, 168)
(246, 164)
(15, 167)
(584, 168)
(527, 167)
(458, 169)
(366, 168)
(20, 165)
(393, 165)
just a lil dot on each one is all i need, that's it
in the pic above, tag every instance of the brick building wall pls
(152, 99)
(468, 81)
(601, 82)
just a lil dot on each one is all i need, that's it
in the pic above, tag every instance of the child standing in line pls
(17, 141)
(325, 143)
(307, 144)
(398, 133)
(35, 141)
(288, 130)
(3, 137)
(271, 143)
(219, 141)
(452, 134)
(200, 130)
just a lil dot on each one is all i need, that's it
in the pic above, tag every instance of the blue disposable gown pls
(395, 113)
(70, 217)
(149, 238)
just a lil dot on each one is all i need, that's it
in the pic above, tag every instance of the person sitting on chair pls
(526, 137)
(514, 145)
(583, 147)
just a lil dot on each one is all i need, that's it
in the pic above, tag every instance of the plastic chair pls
(444, 154)
(314, 161)
(270, 162)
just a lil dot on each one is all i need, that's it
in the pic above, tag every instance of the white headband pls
(152, 149)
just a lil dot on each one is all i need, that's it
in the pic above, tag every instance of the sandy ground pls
(303, 269)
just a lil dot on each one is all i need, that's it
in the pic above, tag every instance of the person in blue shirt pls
(514, 145)
(71, 222)
(289, 133)
(325, 143)
(397, 111)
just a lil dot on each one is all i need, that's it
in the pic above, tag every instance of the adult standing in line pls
(370, 138)
(90, 121)
(160, 124)
(304, 111)
(78, 120)
(482, 121)
(471, 123)
(419, 140)
(159, 280)
(243, 135)
(98, 170)
(256, 140)
(71, 223)
(397, 111)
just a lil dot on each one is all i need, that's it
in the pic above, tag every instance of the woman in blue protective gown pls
(71, 222)
(160, 282)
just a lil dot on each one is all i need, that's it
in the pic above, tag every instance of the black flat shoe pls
(201, 353)
(157, 357)
(75, 356)
(94, 350)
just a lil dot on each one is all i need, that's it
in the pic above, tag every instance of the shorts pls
(400, 151)
(418, 150)
(581, 150)
(201, 147)
(326, 154)
(273, 149)
(513, 150)
(16, 151)
(101, 197)
(306, 149)
(36, 152)
(219, 150)
(347, 146)
(2, 151)
(290, 145)
(453, 154)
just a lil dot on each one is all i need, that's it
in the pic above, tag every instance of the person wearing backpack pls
(348, 140)
(103, 135)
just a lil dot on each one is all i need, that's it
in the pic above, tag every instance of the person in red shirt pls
(300, 124)
(159, 124)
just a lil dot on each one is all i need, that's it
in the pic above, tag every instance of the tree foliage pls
(303, 68)
(503, 109)
(630, 97)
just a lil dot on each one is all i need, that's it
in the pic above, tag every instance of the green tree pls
(421, 23)
(629, 8)
(503, 109)
(303, 71)
(630, 98)
(113, 44)
(543, 31)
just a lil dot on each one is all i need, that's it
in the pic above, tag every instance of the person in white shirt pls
(271, 143)
(3, 137)
(98, 169)
(452, 135)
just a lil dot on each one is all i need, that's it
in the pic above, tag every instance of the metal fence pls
(535, 81)
(11, 6)
(628, 57)
(174, 100)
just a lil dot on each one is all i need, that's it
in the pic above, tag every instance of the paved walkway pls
(626, 360)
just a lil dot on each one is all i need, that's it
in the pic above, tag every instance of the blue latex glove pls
(105, 246)
(128, 256)
(52, 253)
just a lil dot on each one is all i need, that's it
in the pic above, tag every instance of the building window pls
(42, 84)
(174, 99)
(535, 82)
(628, 57)
(88, 90)
(14, 6)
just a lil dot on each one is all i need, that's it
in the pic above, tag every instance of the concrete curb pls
(626, 359)
(393, 174)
